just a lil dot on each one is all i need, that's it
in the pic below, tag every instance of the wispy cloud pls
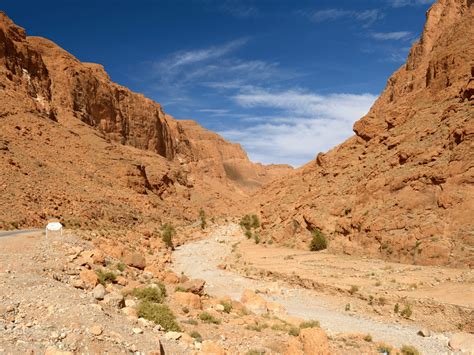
(403, 3)
(238, 8)
(304, 123)
(366, 17)
(391, 36)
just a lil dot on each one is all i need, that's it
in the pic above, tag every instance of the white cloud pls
(367, 17)
(390, 36)
(402, 3)
(306, 124)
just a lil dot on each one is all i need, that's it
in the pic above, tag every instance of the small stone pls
(130, 303)
(424, 332)
(114, 299)
(99, 292)
(137, 331)
(219, 308)
(96, 330)
(173, 335)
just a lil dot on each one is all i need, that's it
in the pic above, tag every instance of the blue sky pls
(285, 78)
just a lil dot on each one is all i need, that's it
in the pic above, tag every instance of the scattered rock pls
(96, 330)
(135, 260)
(462, 342)
(173, 335)
(114, 299)
(89, 277)
(137, 331)
(99, 292)
(424, 332)
(208, 347)
(195, 286)
(188, 299)
(254, 302)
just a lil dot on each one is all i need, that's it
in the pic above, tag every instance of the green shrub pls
(191, 321)
(255, 222)
(209, 318)
(409, 350)
(151, 294)
(179, 289)
(280, 327)
(105, 276)
(227, 306)
(353, 289)
(294, 331)
(407, 311)
(257, 327)
(202, 218)
(246, 222)
(158, 313)
(309, 324)
(194, 334)
(368, 338)
(256, 237)
(121, 267)
(185, 309)
(248, 234)
(167, 234)
(255, 352)
(396, 308)
(318, 242)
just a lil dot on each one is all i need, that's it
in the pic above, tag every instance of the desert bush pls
(209, 318)
(309, 324)
(409, 350)
(167, 234)
(246, 222)
(158, 313)
(353, 289)
(257, 327)
(256, 237)
(194, 334)
(318, 242)
(179, 289)
(280, 327)
(227, 306)
(191, 321)
(255, 221)
(294, 331)
(121, 267)
(105, 276)
(407, 311)
(396, 308)
(368, 338)
(248, 233)
(255, 352)
(151, 294)
(202, 218)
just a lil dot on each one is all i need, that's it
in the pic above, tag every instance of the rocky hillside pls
(76, 145)
(402, 188)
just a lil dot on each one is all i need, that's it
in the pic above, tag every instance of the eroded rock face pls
(99, 153)
(402, 187)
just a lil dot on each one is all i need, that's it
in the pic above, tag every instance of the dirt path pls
(201, 259)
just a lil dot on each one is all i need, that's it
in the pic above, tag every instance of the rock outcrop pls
(402, 188)
(76, 145)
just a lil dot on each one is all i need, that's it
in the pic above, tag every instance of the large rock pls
(401, 188)
(310, 341)
(188, 299)
(211, 348)
(253, 302)
(195, 286)
(134, 259)
(463, 342)
(114, 300)
(89, 277)
(98, 292)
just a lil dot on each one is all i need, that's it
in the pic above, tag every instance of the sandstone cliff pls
(75, 144)
(402, 188)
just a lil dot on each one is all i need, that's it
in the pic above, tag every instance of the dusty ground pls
(40, 309)
(279, 273)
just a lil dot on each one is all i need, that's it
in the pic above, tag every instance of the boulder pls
(89, 277)
(188, 299)
(310, 341)
(114, 300)
(135, 260)
(209, 347)
(254, 302)
(195, 286)
(98, 292)
(463, 342)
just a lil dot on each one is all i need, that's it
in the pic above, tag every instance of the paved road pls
(17, 232)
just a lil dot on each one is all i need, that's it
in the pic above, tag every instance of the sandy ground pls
(204, 259)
